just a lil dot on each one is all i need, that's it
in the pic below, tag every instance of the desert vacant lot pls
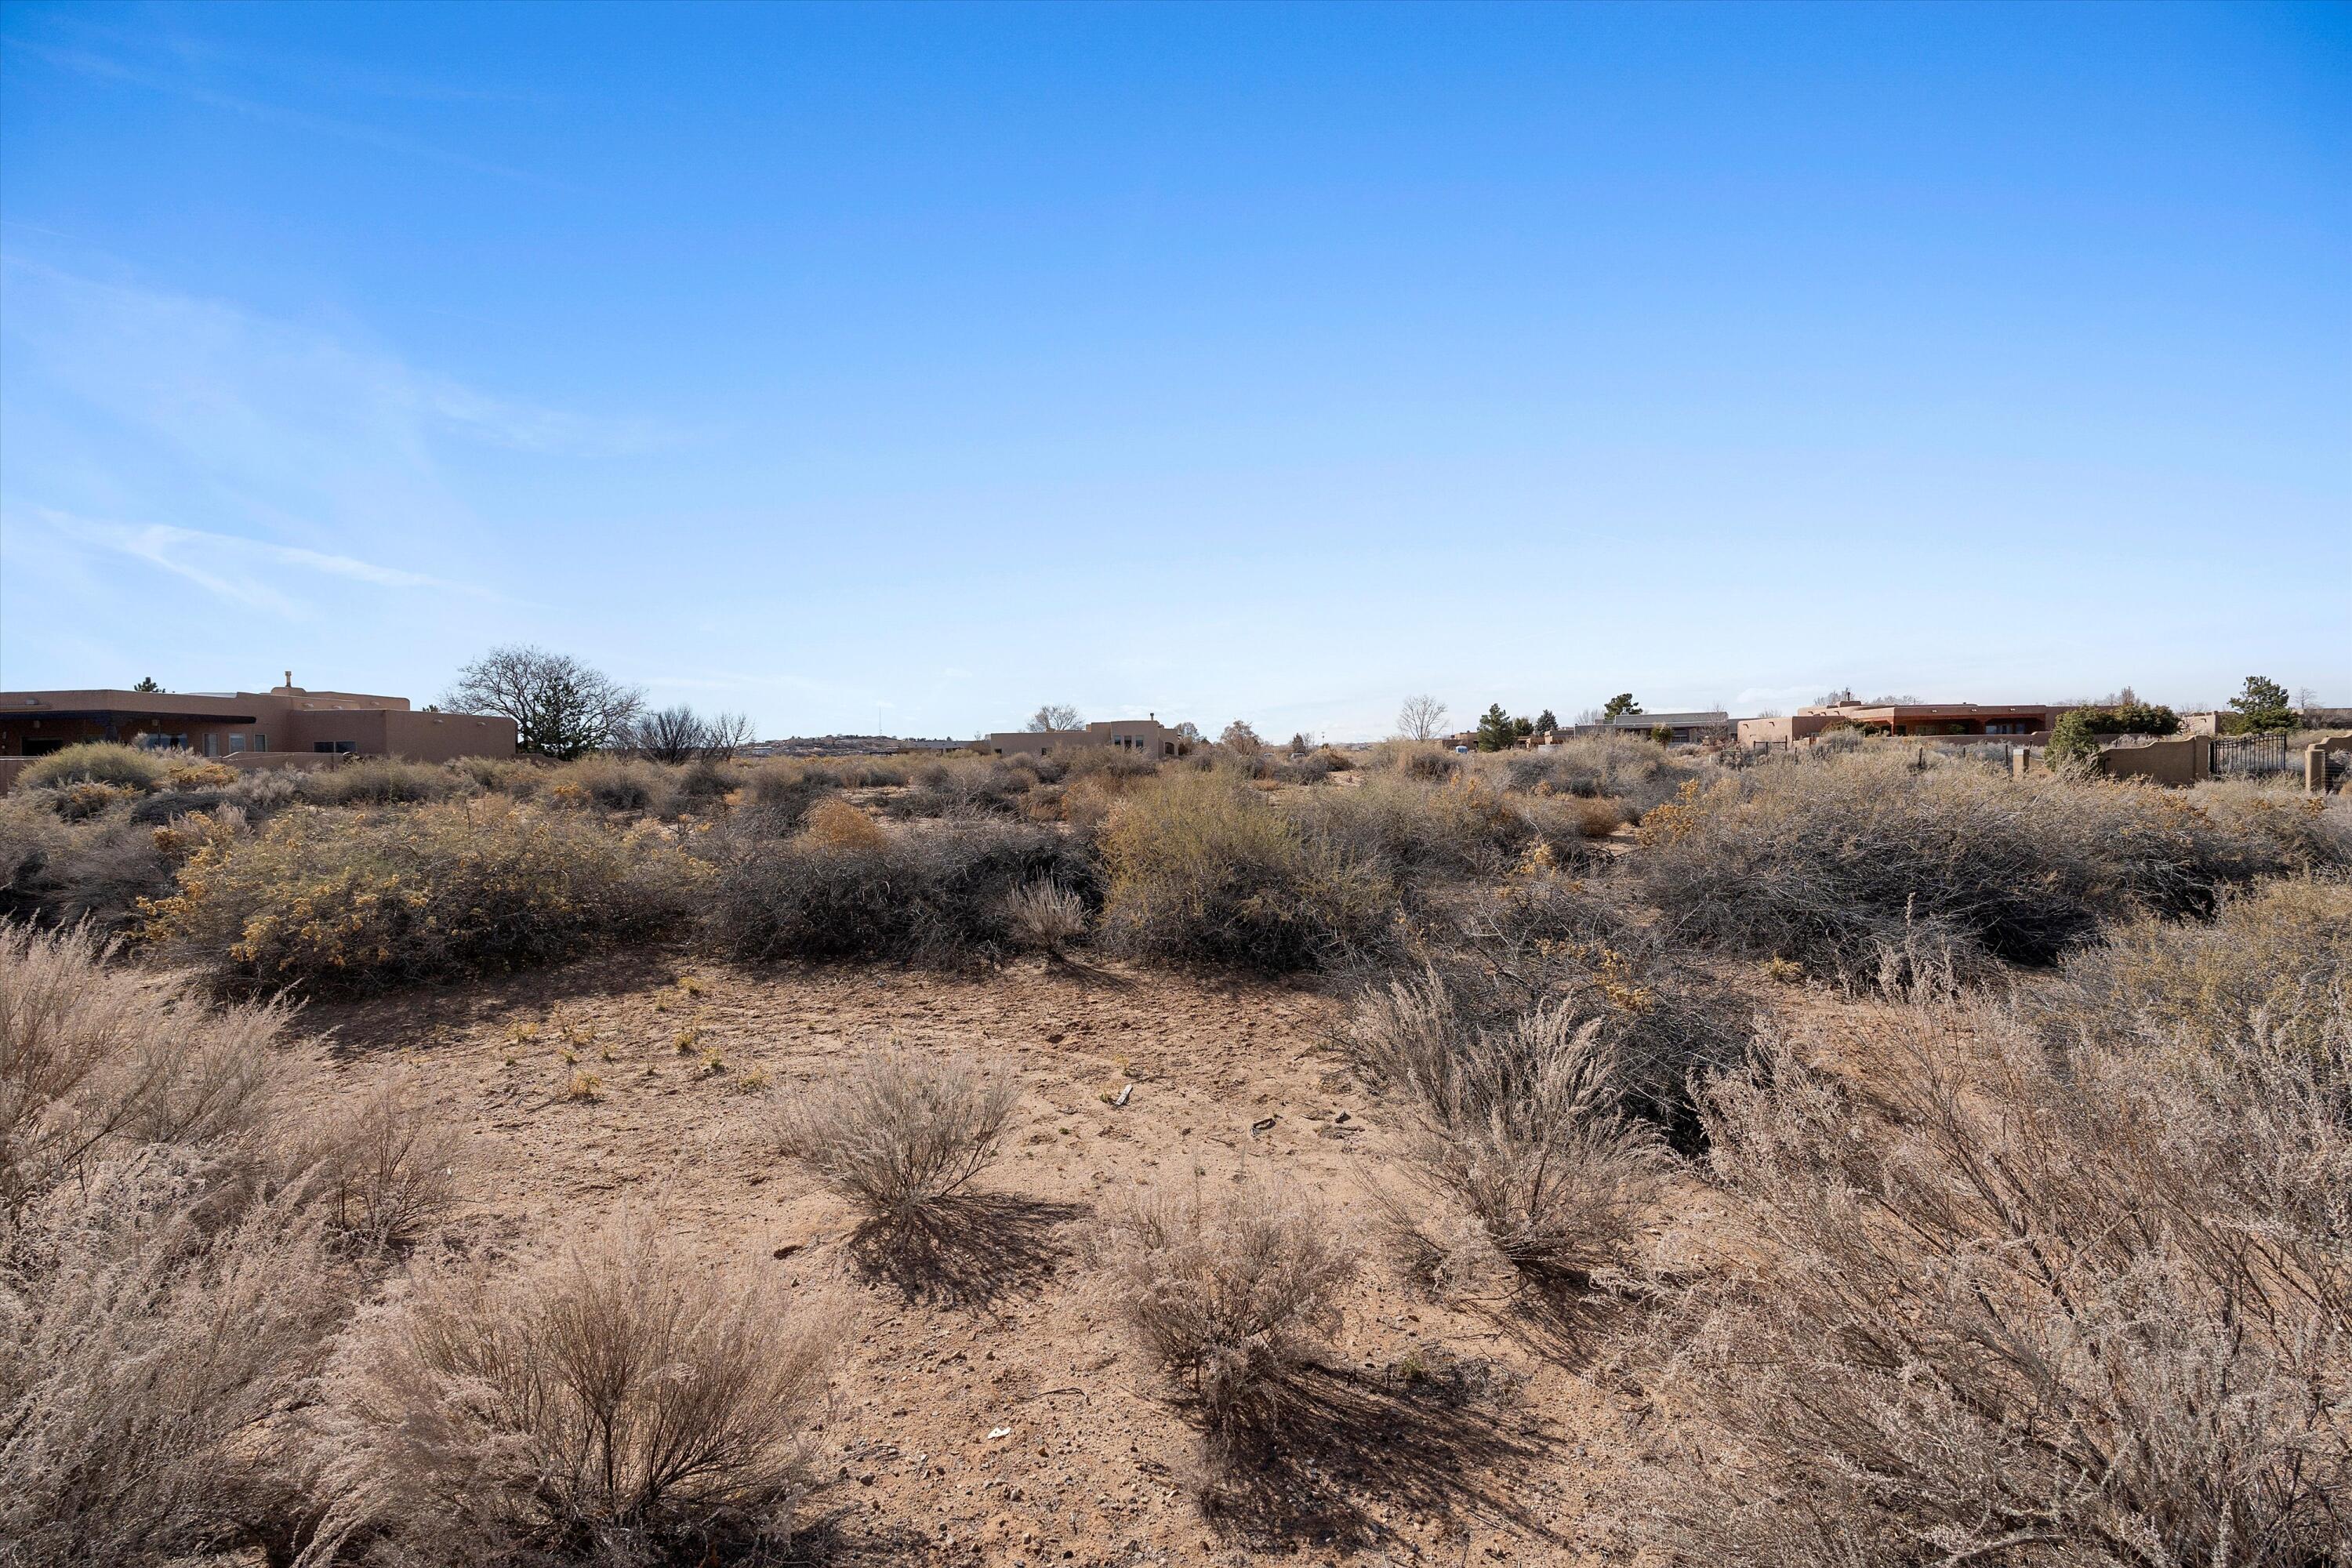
(1602, 1155)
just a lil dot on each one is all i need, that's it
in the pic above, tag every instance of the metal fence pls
(2253, 757)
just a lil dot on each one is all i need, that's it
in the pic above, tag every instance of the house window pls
(236, 743)
(212, 745)
(337, 747)
(260, 742)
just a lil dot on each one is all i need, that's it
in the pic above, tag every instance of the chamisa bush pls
(846, 887)
(899, 1132)
(1837, 863)
(2016, 1304)
(101, 762)
(1201, 869)
(1521, 1126)
(336, 900)
(1233, 1295)
(2279, 953)
(170, 1272)
(380, 780)
(614, 1400)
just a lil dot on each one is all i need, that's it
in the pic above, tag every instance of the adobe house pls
(243, 728)
(1682, 728)
(2021, 721)
(1139, 737)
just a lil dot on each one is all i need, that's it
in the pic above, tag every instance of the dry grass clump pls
(342, 901)
(136, 768)
(1046, 917)
(2008, 1304)
(1522, 1126)
(901, 1131)
(1199, 869)
(938, 894)
(162, 1299)
(2279, 954)
(1834, 863)
(613, 1401)
(1231, 1295)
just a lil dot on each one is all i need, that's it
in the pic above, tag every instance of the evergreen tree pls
(1619, 707)
(2264, 705)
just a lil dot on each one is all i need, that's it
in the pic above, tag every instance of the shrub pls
(339, 902)
(58, 872)
(611, 783)
(2280, 955)
(2014, 1306)
(1615, 767)
(159, 1305)
(378, 781)
(379, 1169)
(965, 786)
(1046, 917)
(99, 762)
(784, 794)
(1498, 957)
(1199, 869)
(1410, 829)
(937, 894)
(1230, 1295)
(1837, 863)
(97, 1058)
(614, 1400)
(901, 1131)
(1521, 1125)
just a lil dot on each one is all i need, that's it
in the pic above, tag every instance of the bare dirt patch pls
(989, 1410)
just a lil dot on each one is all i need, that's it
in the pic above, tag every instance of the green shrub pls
(848, 888)
(2079, 731)
(1201, 869)
(100, 761)
(335, 902)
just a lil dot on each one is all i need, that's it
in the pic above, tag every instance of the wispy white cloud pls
(248, 572)
(109, 68)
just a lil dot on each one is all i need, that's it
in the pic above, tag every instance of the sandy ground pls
(1438, 1434)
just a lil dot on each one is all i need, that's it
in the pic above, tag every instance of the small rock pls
(787, 1251)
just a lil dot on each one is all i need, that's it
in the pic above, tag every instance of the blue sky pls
(909, 367)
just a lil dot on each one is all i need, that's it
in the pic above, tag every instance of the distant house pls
(1141, 737)
(242, 726)
(2022, 721)
(1685, 727)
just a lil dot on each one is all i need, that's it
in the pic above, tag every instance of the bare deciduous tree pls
(1242, 738)
(560, 706)
(725, 734)
(668, 734)
(1422, 718)
(1054, 718)
(679, 734)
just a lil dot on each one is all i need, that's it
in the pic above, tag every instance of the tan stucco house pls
(2021, 721)
(1140, 737)
(244, 727)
